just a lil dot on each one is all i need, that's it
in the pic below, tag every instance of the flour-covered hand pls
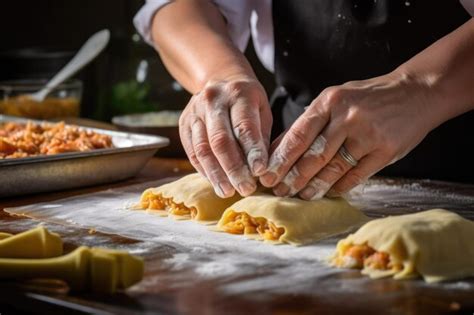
(376, 121)
(225, 130)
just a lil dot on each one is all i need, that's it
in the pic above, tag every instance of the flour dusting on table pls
(252, 265)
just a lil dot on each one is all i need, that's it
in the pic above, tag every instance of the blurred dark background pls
(39, 37)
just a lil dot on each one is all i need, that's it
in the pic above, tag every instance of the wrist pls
(229, 74)
(424, 91)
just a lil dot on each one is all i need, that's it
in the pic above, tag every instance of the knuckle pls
(285, 160)
(202, 149)
(337, 166)
(193, 158)
(296, 137)
(321, 159)
(220, 141)
(235, 170)
(333, 94)
(236, 86)
(315, 117)
(216, 114)
(209, 94)
(304, 121)
(245, 130)
(353, 115)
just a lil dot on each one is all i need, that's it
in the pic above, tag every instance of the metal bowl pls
(161, 123)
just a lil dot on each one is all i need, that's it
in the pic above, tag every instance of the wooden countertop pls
(183, 293)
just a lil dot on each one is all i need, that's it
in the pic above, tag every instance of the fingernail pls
(281, 190)
(333, 194)
(247, 188)
(308, 193)
(224, 190)
(269, 179)
(258, 167)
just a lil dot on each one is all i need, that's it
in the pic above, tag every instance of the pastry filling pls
(364, 256)
(242, 223)
(158, 202)
(19, 140)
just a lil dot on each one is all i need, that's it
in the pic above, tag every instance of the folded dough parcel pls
(191, 196)
(436, 244)
(290, 220)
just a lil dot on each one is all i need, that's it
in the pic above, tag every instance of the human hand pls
(225, 130)
(373, 122)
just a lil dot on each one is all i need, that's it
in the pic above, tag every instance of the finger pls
(186, 141)
(321, 152)
(277, 142)
(294, 143)
(303, 170)
(367, 166)
(227, 150)
(332, 172)
(266, 121)
(207, 160)
(245, 119)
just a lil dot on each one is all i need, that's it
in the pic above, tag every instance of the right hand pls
(225, 130)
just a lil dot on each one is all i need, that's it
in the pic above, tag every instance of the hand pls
(377, 121)
(225, 130)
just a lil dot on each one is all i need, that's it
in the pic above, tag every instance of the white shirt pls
(245, 19)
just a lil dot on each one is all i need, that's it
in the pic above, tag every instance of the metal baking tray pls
(77, 169)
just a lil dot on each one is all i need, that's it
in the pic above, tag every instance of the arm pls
(446, 69)
(192, 41)
(378, 121)
(225, 128)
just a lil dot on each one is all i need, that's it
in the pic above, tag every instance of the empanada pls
(436, 244)
(290, 220)
(191, 196)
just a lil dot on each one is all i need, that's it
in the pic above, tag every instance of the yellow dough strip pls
(94, 269)
(4, 235)
(243, 223)
(34, 243)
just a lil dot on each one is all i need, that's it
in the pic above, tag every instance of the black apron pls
(320, 43)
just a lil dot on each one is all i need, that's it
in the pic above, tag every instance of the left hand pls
(377, 121)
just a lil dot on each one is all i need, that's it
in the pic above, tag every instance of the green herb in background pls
(131, 97)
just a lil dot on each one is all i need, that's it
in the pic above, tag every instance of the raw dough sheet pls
(252, 265)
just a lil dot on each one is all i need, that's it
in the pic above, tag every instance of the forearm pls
(193, 42)
(446, 71)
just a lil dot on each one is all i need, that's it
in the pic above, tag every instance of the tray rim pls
(154, 142)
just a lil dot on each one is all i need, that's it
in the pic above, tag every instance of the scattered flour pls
(252, 265)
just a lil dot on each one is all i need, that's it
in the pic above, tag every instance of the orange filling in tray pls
(23, 140)
(242, 223)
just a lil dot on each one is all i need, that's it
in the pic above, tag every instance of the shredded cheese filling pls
(242, 223)
(364, 256)
(158, 202)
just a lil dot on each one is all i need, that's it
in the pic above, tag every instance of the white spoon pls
(94, 45)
